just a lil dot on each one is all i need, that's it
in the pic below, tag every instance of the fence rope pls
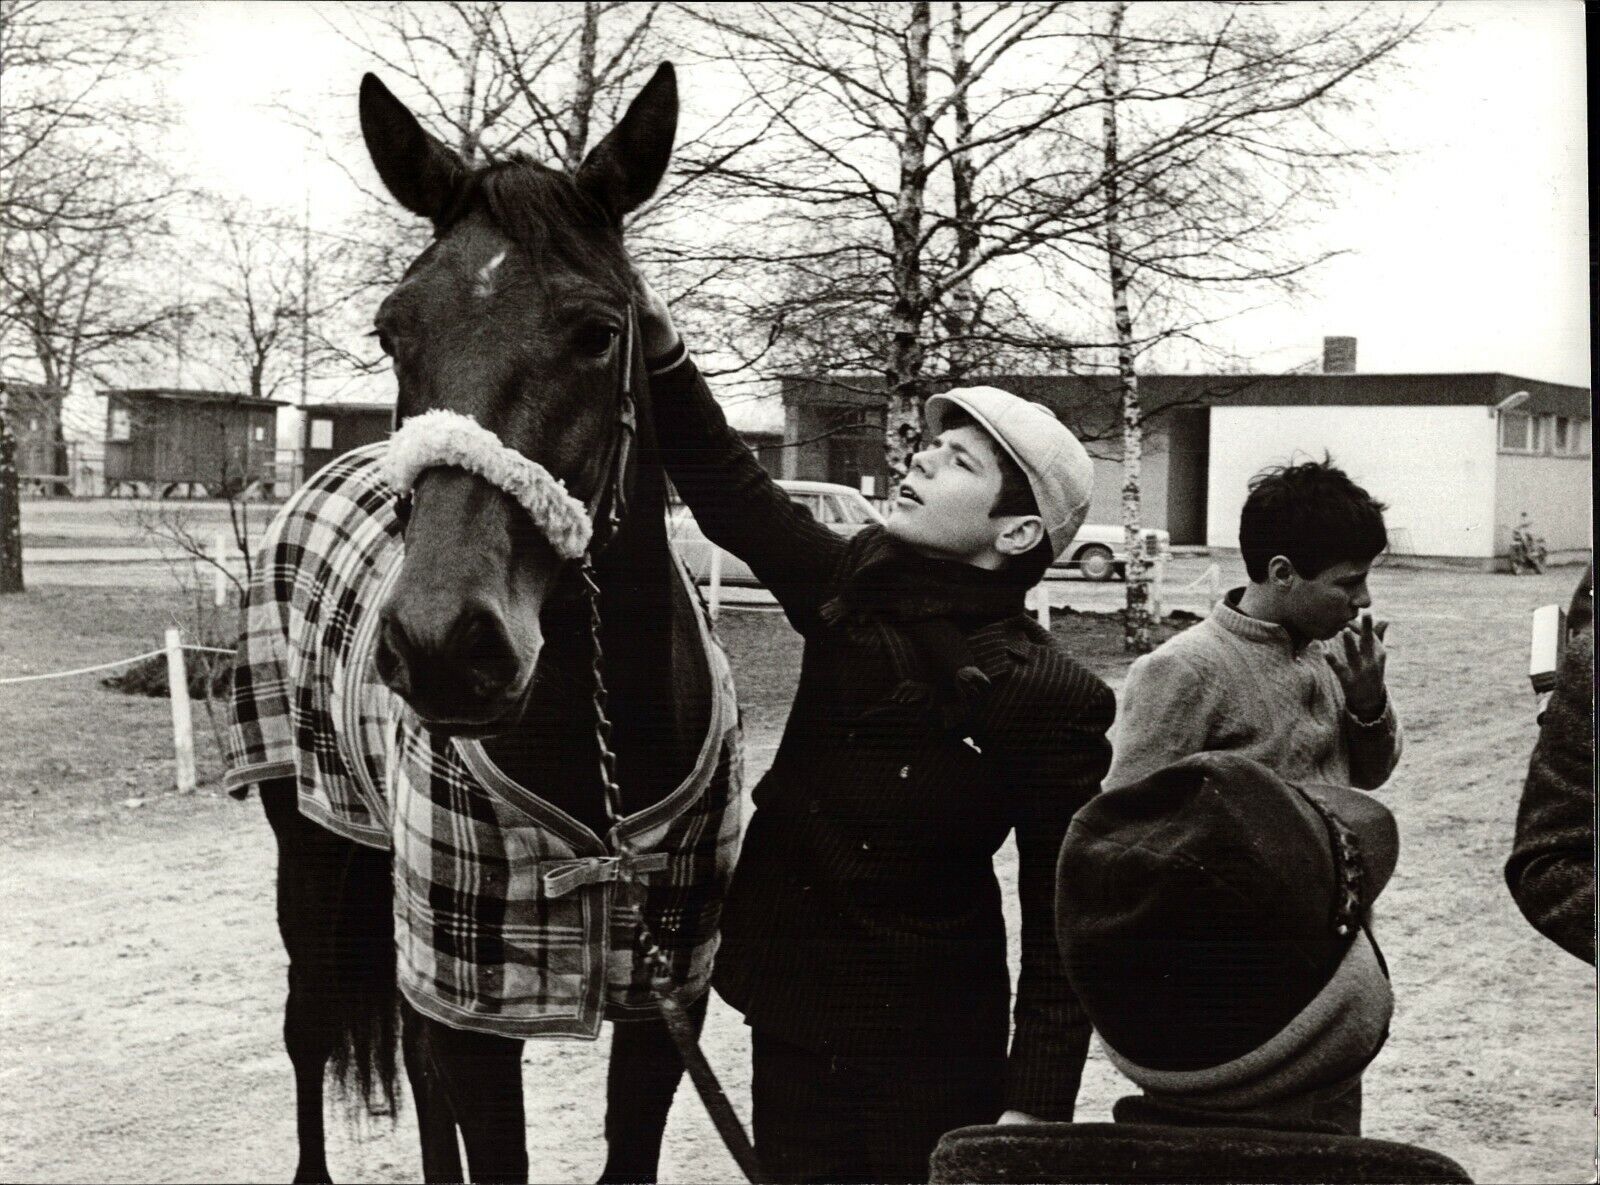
(106, 666)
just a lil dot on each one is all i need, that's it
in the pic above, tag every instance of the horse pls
(452, 632)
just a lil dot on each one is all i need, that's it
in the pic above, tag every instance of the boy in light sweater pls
(1287, 670)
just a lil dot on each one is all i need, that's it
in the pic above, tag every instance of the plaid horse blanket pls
(511, 917)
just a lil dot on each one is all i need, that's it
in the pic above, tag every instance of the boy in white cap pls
(863, 937)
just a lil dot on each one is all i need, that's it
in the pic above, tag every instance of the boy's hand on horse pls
(1358, 657)
(656, 330)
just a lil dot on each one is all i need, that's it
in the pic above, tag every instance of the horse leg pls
(641, 1079)
(436, 1124)
(481, 1077)
(308, 1034)
(309, 1038)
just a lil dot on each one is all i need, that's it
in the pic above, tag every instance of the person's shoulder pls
(1182, 657)
(1045, 674)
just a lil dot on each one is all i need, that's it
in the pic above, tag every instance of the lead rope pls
(656, 961)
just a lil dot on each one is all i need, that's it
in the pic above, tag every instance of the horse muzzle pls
(466, 675)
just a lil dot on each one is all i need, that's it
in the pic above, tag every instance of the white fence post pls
(219, 556)
(1042, 592)
(182, 721)
(715, 598)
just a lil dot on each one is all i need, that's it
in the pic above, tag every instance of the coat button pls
(865, 846)
(813, 806)
(905, 771)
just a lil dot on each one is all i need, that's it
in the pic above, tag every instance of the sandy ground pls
(141, 972)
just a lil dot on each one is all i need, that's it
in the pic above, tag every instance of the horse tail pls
(335, 912)
(364, 991)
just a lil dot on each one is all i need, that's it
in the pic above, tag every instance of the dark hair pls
(1313, 515)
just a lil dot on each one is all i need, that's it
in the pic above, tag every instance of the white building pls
(1458, 458)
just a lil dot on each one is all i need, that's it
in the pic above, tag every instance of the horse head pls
(518, 315)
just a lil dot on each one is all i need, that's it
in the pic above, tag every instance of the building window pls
(121, 424)
(321, 433)
(1569, 436)
(1520, 433)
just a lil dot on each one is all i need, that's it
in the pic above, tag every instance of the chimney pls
(1338, 355)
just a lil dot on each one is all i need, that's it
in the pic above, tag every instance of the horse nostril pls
(392, 657)
(482, 642)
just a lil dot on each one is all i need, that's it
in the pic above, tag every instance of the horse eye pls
(594, 340)
(384, 342)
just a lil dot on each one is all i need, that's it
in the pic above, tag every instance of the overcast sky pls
(1469, 254)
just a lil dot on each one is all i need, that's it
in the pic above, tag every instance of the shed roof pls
(191, 395)
(349, 408)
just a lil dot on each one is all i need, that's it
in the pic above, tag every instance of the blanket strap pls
(561, 877)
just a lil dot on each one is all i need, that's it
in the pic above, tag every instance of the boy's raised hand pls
(657, 332)
(1357, 657)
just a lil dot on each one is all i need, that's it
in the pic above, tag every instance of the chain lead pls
(608, 757)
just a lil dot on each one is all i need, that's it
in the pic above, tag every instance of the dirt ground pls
(142, 977)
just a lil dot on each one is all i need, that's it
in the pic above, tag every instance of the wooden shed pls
(159, 439)
(333, 429)
(33, 414)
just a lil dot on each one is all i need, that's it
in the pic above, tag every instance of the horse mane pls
(549, 216)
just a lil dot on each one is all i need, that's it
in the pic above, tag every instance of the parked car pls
(837, 507)
(1099, 551)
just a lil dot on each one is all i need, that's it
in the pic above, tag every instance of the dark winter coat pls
(864, 915)
(1551, 870)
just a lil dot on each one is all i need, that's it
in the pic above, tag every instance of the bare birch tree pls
(887, 193)
(82, 198)
(1223, 129)
(273, 300)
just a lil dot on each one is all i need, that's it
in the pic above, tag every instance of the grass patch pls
(73, 747)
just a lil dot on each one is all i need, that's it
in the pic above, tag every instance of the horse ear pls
(625, 168)
(421, 172)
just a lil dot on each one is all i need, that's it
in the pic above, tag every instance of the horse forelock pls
(551, 219)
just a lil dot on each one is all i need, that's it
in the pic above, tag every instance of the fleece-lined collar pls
(441, 437)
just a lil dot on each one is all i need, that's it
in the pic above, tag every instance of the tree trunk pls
(902, 425)
(584, 92)
(471, 128)
(962, 308)
(10, 511)
(1136, 621)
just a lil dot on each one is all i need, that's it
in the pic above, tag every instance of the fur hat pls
(1104, 1152)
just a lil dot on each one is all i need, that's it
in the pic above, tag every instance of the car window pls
(809, 501)
(852, 509)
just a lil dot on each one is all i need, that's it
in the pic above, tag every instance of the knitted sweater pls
(1236, 684)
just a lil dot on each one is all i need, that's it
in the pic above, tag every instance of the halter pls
(440, 437)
